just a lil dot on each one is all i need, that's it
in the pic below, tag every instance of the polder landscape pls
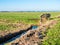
(29, 22)
(24, 28)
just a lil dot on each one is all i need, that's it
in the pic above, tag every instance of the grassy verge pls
(53, 35)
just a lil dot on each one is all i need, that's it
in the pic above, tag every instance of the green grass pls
(14, 17)
(53, 35)
(25, 17)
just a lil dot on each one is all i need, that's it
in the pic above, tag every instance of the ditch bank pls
(11, 35)
(31, 37)
(34, 37)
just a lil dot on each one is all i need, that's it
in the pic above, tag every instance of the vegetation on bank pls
(53, 35)
(8, 18)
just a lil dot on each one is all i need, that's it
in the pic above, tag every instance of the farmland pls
(25, 17)
(9, 19)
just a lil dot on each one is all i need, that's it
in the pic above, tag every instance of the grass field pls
(53, 35)
(23, 16)
(29, 18)
(17, 17)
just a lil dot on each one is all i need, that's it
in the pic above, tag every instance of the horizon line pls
(30, 11)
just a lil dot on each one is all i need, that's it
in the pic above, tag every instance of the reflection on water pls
(12, 39)
(34, 27)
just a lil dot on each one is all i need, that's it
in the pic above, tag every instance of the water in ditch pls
(14, 38)
(34, 27)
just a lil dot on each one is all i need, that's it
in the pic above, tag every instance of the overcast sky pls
(29, 5)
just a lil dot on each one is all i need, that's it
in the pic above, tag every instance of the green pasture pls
(17, 17)
(24, 16)
(29, 18)
(53, 35)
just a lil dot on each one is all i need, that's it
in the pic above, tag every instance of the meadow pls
(53, 35)
(31, 18)
(24, 17)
